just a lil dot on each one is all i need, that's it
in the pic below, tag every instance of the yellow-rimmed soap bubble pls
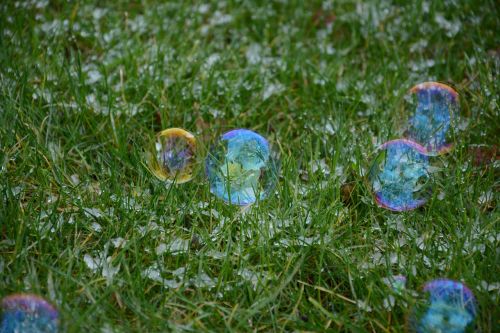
(28, 313)
(400, 176)
(432, 118)
(174, 157)
(447, 306)
(241, 167)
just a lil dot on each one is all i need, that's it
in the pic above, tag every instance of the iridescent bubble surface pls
(435, 112)
(400, 176)
(174, 157)
(28, 313)
(449, 306)
(241, 167)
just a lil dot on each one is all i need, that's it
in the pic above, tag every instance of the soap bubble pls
(435, 112)
(241, 167)
(396, 282)
(448, 306)
(174, 157)
(400, 175)
(28, 313)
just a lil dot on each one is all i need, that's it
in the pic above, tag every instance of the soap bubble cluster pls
(448, 306)
(435, 112)
(241, 167)
(28, 313)
(174, 158)
(400, 176)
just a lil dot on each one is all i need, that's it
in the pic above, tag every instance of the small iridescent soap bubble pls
(396, 282)
(400, 176)
(448, 306)
(174, 156)
(28, 313)
(241, 167)
(433, 116)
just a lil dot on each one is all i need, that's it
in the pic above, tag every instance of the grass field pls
(83, 223)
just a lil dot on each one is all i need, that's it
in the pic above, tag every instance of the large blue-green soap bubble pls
(400, 176)
(433, 117)
(28, 313)
(241, 167)
(448, 306)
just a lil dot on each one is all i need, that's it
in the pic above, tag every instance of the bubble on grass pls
(28, 313)
(241, 167)
(435, 112)
(396, 282)
(174, 157)
(448, 306)
(400, 176)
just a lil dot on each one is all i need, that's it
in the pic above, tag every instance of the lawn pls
(84, 88)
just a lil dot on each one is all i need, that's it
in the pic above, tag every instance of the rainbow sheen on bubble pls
(174, 156)
(241, 167)
(28, 313)
(400, 176)
(449, 306)
(436, 111)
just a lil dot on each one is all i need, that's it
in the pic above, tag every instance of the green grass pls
(83, 91)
